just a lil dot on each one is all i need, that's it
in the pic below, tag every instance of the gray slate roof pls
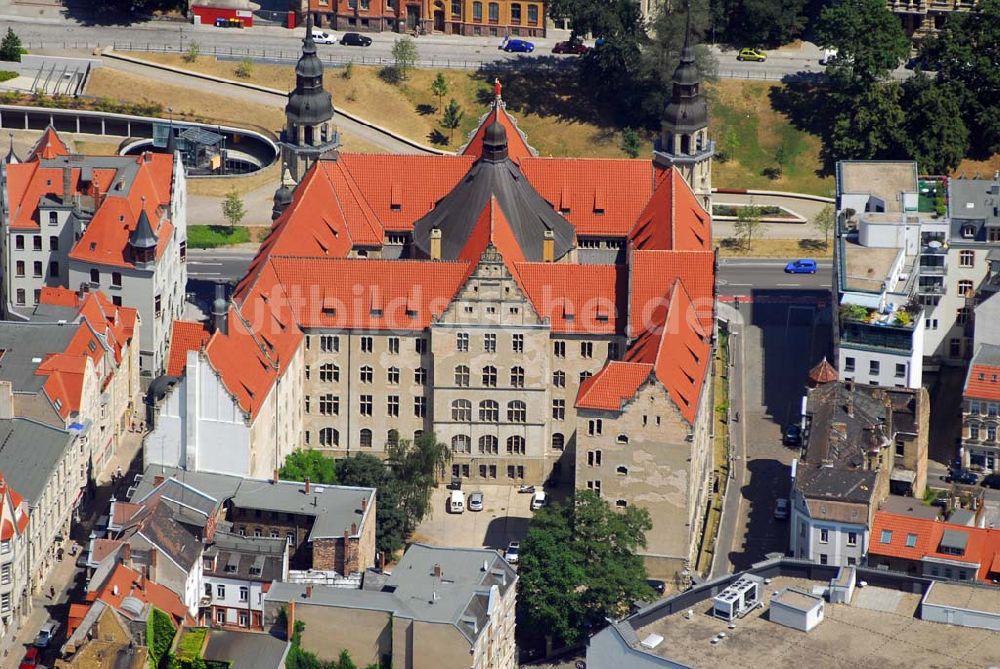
(237, 557)
(246, 649)
(973, 199)
(845, 423)
(24, 345)
(29, 452)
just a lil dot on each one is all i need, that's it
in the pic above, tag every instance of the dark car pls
(992, 481)
(963, 476)
(570, 47)
(657, 585)
(517, 46)
(355, 39)
(792, 435)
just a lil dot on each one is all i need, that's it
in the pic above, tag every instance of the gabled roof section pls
(187, 336)
(983, 379)
(517, 143)
(672, 219)
(493, 229)
(599, 196)
(48, 146)
(124, 582)
(613, 386)
(652, 277)
(576, 298)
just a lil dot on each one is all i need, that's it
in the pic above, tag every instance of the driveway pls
(504, 518)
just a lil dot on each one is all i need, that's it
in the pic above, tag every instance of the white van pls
(321, 37)
(538, 500)
(456, 502)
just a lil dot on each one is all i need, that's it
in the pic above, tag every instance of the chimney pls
(275, 479)
(157, 480)
(307, 485)
(67, 184)
(364, 500)
(7, 405)
(437, 570)
(152, 564)
(849, 385)
(309, 592)
(850, 406)
(290, 619)
(354, 529)
(549, 246)
(436, 244)
(219, 309)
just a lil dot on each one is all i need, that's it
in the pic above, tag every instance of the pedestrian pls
(52, 593)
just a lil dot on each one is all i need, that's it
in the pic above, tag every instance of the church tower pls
(309, 132)
(683, 142)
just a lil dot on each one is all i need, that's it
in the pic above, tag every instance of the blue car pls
(803, 266)
(517, 46)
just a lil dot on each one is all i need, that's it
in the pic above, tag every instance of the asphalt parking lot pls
(504, 518)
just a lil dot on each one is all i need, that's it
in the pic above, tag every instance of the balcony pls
(930, 288)
(890, 329)
(932, 269)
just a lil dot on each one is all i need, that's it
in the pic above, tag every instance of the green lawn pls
(190, 645)
(213, 236)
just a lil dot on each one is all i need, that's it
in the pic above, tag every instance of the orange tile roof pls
(672, 219)
(59, 297)
(187, 336)
(652, 276)
(982, 546)
(48, 146)
(13, 511)
(77, 612)
(614, 385)
(517, 145)
(983, 382)
(493, 228)
(124, 582)
(577, 298)
(599, 196)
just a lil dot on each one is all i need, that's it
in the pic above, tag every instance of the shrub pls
(348, 70)
(6, 75)
(245, 69)
(193, 51)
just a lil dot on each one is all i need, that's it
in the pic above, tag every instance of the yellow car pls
(754, 55)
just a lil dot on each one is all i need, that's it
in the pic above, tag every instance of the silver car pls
(46, 634)
(476, 501)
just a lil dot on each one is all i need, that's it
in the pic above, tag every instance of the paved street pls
(746, 277)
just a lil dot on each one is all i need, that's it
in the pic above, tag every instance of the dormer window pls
(968, 231)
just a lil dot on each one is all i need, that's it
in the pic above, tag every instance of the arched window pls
(462, 376)
(489, 411)
(490, 376)
(366, 374)
(328, 436)
(622, 438)
(517, 377)
(461, 443)
(517, 411)
(329, 373)
(515, 445)
(461, 410)
(488, 444)
(366, 438)
(558, 441)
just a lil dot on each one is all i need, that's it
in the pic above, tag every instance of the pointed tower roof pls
(822, 373)
(11, 157)
(687, 109)
(48, 146)
(517, 145)
(143, 237)
(309, 103)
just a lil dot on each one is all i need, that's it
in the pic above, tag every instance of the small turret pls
(142, 240)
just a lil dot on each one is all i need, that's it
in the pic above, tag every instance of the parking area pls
(504, 518)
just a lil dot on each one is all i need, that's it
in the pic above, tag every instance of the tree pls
(193, 51)
(245, 69)
(439, 87)
(416, 466)
(965, 55)
(935, 132)
(760, 22)
(404, 56)
(631, 142)
(10, 47)
(367, 471)
(452, 118)
(869, 40)
(870, 126)
(233, 209)
(748, 225)
(825, 221)
(303, 464)
(578, 566)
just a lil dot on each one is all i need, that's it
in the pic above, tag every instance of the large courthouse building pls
(547, 318)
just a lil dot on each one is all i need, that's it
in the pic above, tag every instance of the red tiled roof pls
(13, 511)
(124, 582)
(59, 297)
(517, 146)
(982, 544)
(577, 298)
(672, 219)
(48, 146)
(599, 196)
(653, 274)
(611, 387)
(983, 382)
(187, 336)
(493, 228)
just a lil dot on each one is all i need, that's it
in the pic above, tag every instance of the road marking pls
(824, 285)
(198, 262)
(204, 274)
(787, 285)
(741, 284)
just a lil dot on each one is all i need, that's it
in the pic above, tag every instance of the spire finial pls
(687, 24)
(497, 88)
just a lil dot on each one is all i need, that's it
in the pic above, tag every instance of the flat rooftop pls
(965, 597)
(886, 179)
(866, 267)
(878, 630)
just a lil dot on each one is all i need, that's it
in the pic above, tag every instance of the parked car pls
(476, 501)
(992, 481)
(657, 585)
(753, 55)
(570, 47)
(829, 57)
(456, 502)
(46, 634)
(513, 551)
(792, 435)
(355, 39)
(963, 476)
(801, 266)
(781, 509)
(517, 46)
(321, 37)
(30, 659)
(538, 500)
